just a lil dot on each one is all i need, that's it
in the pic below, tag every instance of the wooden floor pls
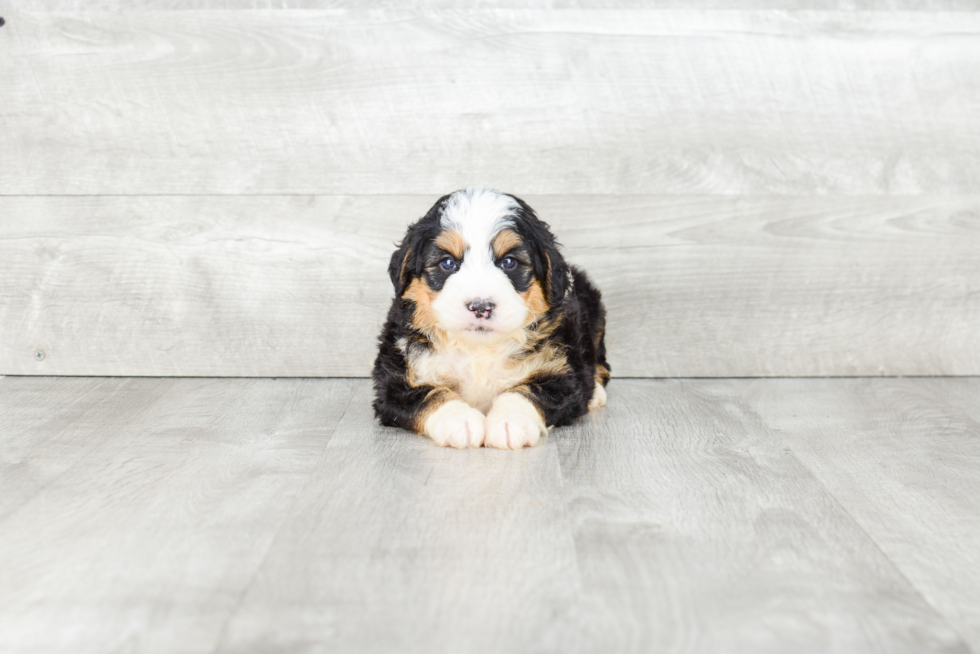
(263, 515)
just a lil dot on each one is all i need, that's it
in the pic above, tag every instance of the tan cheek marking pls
(505, 241)
(535, 301)
(420, 293)
(435, 399)
(452, 242)
(601, 374)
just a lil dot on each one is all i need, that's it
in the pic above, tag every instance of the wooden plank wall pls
(191, 187)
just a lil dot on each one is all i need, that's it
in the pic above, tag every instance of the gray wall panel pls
(297, 285)
(557, 102)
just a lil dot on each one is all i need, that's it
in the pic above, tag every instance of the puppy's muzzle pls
(481, 308)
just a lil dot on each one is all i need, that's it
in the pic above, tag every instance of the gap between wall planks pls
(286, 5)
(616, 103)
(297, 285)
(549, 102)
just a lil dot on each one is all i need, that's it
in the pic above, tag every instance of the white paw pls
(455, 424)
(598, 397)
(513, 423)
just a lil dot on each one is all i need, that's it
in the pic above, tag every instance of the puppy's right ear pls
(398, 269)
(406, 261)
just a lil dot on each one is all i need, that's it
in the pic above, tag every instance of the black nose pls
(481, 308)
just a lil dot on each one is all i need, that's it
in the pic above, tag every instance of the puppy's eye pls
(449, 264)
(508, 262)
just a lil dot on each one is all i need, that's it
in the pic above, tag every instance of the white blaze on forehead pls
(478, 214)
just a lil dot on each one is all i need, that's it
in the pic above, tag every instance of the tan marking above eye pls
(505, 241)
(452, 242)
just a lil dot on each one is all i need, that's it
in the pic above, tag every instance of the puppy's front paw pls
(513, 423)
(455, 424)
(598, 397)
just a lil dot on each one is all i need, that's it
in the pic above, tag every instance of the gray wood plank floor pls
(261, 515)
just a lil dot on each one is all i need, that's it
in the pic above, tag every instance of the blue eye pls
(508, 262)
(448, 264)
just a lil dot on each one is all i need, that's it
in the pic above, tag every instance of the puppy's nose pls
(481, 308)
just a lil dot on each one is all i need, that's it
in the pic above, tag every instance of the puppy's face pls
(479, 265)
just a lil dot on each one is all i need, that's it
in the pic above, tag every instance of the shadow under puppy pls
(491, 337)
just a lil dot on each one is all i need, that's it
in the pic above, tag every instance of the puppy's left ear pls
(549, 264)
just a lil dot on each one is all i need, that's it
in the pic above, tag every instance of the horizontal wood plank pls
(903, 458)
(297, 286)
(568, 102)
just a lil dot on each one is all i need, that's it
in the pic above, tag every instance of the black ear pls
(407, 261)
(398, 269)
(549, 266)
(557, 277)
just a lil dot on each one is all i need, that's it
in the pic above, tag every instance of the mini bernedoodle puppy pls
(491, 337)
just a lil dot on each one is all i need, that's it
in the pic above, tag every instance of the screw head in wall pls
(39, 355)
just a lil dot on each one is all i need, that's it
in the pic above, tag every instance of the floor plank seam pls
(51, 482)
(223, 632)
(901, 574)
(567, 516)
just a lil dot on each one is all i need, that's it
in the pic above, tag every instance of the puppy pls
(491, 337)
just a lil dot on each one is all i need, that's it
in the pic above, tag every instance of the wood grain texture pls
(297, 286)
(903, 458)
(697, 531)
(276, 515)
(399, 545)
(577, 101)
(42, 440)
(159, 517)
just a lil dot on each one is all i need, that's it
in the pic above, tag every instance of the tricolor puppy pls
(491, 337)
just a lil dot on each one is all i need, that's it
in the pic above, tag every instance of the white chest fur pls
(479, 372)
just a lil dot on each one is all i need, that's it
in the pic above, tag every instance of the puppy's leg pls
(598, 397)
(601, 379)
(455, 424)
(518, 417)
(514, 422)
(439, 413)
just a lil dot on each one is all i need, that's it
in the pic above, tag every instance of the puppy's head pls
(479, 265)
